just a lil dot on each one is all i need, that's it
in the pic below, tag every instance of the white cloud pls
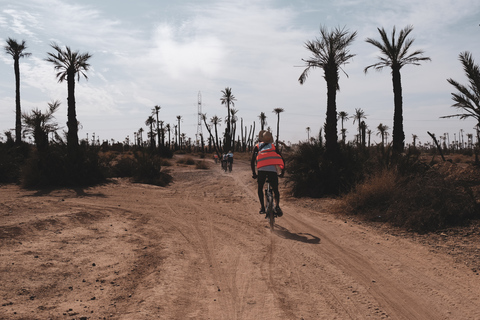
(181, 55)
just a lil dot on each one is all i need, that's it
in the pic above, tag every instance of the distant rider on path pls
(230, 159)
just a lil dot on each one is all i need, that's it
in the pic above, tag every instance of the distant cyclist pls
(224, 162)
(230, 160)
(267, 160)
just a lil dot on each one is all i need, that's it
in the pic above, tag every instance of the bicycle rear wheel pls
(269, 206)
(271, 219)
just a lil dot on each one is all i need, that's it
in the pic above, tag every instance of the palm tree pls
(395, 55)
(359, 115)
(69, 65)
(329, 52)
(414, 137)
(168, 128)
(308, 133)
(155, 111)
(278, 111)
(228, 99)
(467, 99)
(216, 122)
(140, 136)
(16, 50)
(40, 124)
(179, 118)
(382, 131)
(150, 122)
(263, 120)
(233, 120)
(343, 117)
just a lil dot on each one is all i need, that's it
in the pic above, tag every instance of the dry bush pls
(186, 160)
(202, 165)
(371, 198)
(422, 202)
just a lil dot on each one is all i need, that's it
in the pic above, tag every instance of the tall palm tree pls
(308, 133)
(169, 130)
(233, 120)
(329, 52)
(179, 118)
(140, 135)
(467, 99)
(215, 120)
(150, 122)
(16, 50)
(343, 115)
(69, 65)
(395, 54)
(40, 124)
(228, 99)
(382, 131)
(277, 112)
(369, 133)
(358, 116)
(155, 111)
(263, 120)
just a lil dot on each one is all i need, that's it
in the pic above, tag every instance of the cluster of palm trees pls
(363, 131)
(70, 65)
(247, 137)
(158, 131)
(331, 51)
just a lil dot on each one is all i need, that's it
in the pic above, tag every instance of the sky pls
(162, 52)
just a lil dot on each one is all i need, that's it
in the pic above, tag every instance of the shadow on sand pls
(79, 192)
(302, 237)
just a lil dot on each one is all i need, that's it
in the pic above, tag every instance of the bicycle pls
(269, 205)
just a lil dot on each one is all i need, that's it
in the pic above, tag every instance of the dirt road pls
(198, 249)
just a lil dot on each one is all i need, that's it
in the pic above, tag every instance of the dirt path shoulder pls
(198, 249)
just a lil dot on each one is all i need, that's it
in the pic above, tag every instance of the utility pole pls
(199, 134)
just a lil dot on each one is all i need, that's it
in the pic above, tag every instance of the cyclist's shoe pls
(278, 211)
(262, 211)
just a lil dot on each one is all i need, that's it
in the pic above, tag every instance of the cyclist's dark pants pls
(273, 178)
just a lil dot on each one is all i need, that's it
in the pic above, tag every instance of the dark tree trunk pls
(18, 110)
(398, 134)
(331, 144)
(72, 123)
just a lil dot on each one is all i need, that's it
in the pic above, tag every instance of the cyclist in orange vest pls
(267, 160)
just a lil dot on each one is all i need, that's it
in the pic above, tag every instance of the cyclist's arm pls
(283, 170)
(253, 162)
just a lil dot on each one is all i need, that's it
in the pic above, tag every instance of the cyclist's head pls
(267, 137)
(260, 135)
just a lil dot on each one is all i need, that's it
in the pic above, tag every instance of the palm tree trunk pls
(331, 145)
(227, 130)
(398, 134)
(278, 128)
(18, 110)
(72, 124)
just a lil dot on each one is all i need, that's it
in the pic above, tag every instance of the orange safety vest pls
(269, 157)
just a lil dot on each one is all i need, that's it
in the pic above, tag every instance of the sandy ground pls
(198, 249)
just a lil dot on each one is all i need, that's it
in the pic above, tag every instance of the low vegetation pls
(407, 192)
